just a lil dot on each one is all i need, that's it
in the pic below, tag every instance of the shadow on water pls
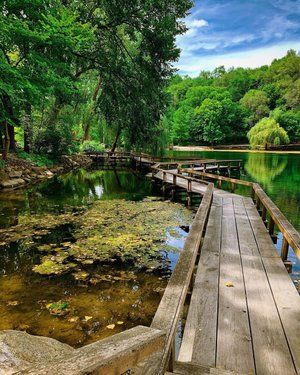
(121, 295)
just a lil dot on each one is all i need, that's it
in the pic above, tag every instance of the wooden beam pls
(111, 356)
(172, 302)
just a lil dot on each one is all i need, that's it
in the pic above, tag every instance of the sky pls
(246, 33)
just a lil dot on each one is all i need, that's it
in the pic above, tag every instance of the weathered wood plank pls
(246, 237)
(111, 356)
(200, 333)
(271, 351)
(265, 244)
(234, 350)
(170, 307)
(287, 301)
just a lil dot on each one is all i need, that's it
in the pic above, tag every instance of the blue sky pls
(246, 33)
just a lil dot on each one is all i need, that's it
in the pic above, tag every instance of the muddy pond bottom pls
(86, 255)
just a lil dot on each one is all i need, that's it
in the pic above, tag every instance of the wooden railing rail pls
(291, 236)
(175, 175)
(170, 308)
(111, 356)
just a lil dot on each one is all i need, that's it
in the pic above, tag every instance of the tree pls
(267, 132)
(289, 121)
(182, 122)
(217, 121)
(256, 102)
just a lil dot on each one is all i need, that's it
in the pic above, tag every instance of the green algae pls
(108, 231)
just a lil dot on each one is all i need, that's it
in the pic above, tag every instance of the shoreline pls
(211, 149)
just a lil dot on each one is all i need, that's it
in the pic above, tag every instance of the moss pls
(109, 231)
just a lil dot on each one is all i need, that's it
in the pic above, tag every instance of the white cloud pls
(192, 65)
(197, 23)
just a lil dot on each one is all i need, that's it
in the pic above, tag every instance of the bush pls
(38, 160)
(289, 121)
(266, 133)
(92, 146)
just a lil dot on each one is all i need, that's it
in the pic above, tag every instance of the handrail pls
(217, 177)
(291, 236)
(111, 356)
(170, 308)
(175, 174)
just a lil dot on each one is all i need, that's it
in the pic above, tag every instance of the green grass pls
(38, 160)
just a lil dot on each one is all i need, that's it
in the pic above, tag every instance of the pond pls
(86, 255)
(279, 176)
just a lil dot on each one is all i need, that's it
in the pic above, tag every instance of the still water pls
(116, 297)
(126, 295)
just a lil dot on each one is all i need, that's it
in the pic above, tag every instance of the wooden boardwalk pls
(244, 311)
(242, 308)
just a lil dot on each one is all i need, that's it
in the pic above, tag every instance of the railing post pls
(172, 358)
(271, 226)
(164, 176)
(264, 214)
(174, 179)
(257, 203)
(284, 249)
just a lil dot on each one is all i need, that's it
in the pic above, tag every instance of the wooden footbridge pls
(230, 306)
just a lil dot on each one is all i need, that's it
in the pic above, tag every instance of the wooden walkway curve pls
(243, 310)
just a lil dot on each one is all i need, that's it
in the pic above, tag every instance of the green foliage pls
(92, 146)
(256, 102)
(71, 70)
(267, 133)
(217, 121)
(220, 106)
(2, 164)
(288, 120)
(38, 160)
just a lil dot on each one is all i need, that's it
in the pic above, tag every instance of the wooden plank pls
(171, 304)
(246, 237)
(287, 301)
(200, 333)
(113, 355)
(265, 244)
(271, 352)
(234, 350)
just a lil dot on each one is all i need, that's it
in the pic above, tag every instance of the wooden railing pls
(266, 207)
(291, 236)
(170, 308)
(113, 355)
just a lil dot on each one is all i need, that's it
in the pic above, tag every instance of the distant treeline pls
(222, 106)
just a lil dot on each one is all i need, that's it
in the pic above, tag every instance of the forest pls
(89, 77)
(76, 75)
(222, 106)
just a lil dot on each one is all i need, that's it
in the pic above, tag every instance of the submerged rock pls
(18, 350)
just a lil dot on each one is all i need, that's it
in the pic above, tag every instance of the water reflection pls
(264, 168)
(123, 294)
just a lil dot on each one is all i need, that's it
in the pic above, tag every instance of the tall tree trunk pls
(9, 132)
(27, 128)
(6, 142)
(87, 127)
(1, 136)
(57, 106)
(113, 147)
